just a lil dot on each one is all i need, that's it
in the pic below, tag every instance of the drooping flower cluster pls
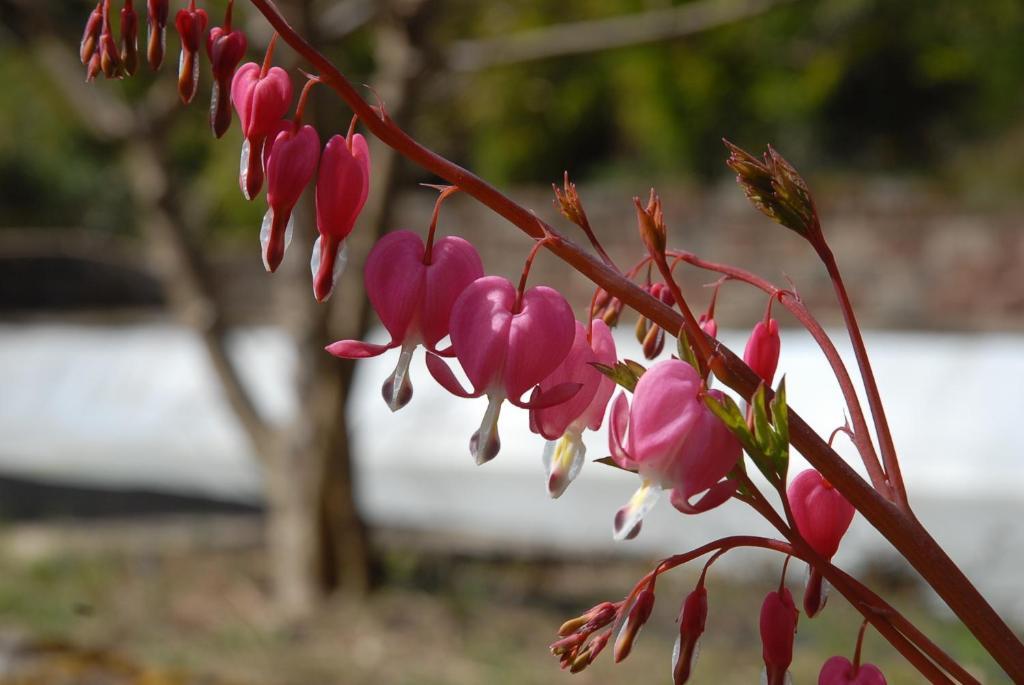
(524, 345)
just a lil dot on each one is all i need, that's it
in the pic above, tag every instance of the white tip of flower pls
(243, 169)
(628, 519)
(563, 459)
(268, 222)
(340, 262)
(485, 443)
(397, 390)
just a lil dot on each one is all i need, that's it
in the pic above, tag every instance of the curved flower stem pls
(861, 436)
(885, 442)
(896, 525)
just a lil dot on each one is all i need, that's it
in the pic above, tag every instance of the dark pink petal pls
(445, 378)
(480, 323)
(242, 85)
(341, 187)
(603, 345)
(762, 351)
(708, 454)
(270, 101)
(394, 276)
(356, 349)
(291, 165)
(453, 266)
(717, 495)
(778, 628)
(575, 368)
(540, 337)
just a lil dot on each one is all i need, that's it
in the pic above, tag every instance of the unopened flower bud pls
(692, 619)
(91, 35)
(156, 46)
(709, 326)
(839, 671)
(95, 67)
(129, 38)
(638, 615)
(762, 351)
(110, 54)
(642, 326)
(191, 25)
(651, 222)
(653, 342)
(225, 48)
(778, 628)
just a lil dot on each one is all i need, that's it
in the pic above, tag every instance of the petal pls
(340, 190)
(617, 433)
(454, 265)
(709, 453)
(665, 409)
(242, 91)
(540, 337)
(356, 349)
(563, 459)
(397, 389)
(394, 276)
(603, 344)
(485, 443)
(445, 378)
(480, 323)
(557, 395)
(575, 368)
(271, 100)
(717, 495)
(628, 519)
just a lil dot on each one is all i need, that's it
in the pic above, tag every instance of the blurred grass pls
(437, 620)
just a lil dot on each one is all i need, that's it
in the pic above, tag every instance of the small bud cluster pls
(100, 52)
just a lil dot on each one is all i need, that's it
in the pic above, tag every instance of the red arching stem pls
(782, 578)
(526, 274)
(885, 442)
(428, 252)
(860, 643)
(896, 525)
(303, 97)
(227, 16)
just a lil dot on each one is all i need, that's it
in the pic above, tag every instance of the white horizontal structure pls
(140, 407)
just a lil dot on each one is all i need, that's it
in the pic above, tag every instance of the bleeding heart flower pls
(157, 20)
(91, 34)
(778, 629)
(692, 619)
(341, 191)
(507, 343)
(563, 424)
(762, 351)
(839, 671)
(413, 294)
(290, 167)
(822, 516)
(262, 98)
(673, 442)
(191, 25)
(226, 48)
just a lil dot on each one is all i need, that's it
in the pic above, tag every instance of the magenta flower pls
(341, 191)
(674, 442)
(413, 292)
(762, 351)
(290, 167)
(692, 619)
(262, 99)
(839, 671)
(778, 629)
(563, 424)
(507, 343)
(822, 516)
(191, 25)
(226, 48)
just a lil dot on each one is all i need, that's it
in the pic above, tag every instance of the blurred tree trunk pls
(318, 541)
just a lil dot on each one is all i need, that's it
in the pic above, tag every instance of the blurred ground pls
(154, 610)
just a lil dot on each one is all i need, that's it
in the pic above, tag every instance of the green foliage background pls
(924, 87)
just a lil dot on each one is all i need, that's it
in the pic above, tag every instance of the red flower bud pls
(638, 615)
(191, 25)
(157, 20)
(839, 671)
(778, 628)
(762, 351)
(226, 48)
(821, 513)
(692, 619)
(129, 38)
(91, 35)
(290, 167)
